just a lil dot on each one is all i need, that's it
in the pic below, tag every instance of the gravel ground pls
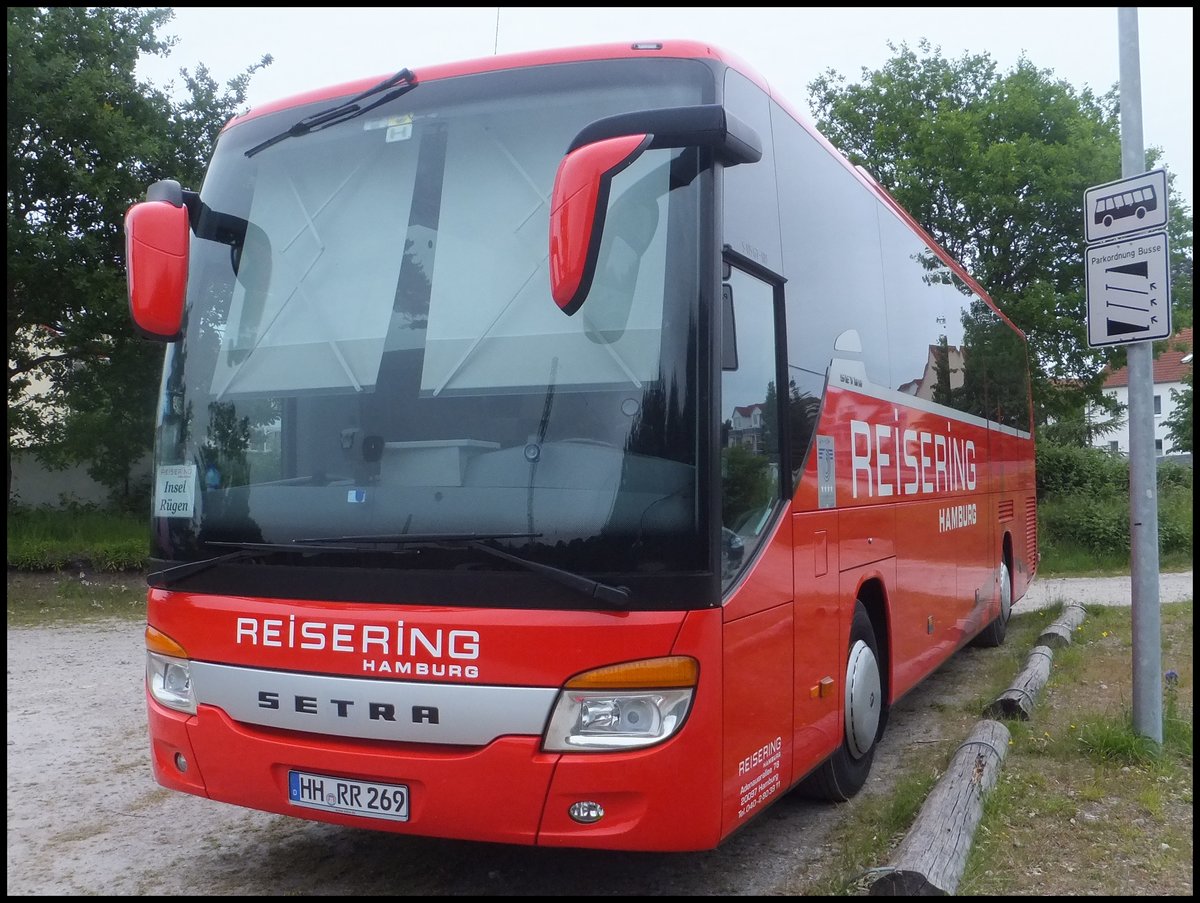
(1052, 591)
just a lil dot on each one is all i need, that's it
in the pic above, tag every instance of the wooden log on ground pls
(931, 858)
(1058, 634)
(1019, 700)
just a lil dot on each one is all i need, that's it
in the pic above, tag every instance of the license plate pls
(320, 791)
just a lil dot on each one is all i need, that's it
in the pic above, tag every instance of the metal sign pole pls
(1143, 468)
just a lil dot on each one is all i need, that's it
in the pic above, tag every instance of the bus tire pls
(844, 773)
(994, 633)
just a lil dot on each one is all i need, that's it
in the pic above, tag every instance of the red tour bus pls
(568, 449)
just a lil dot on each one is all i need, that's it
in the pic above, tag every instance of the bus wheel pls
(994, 633)
(843, 774)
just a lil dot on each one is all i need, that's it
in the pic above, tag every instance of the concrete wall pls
(36, 486)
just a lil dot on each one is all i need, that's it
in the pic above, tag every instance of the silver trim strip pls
(881, 393)
(457, 714)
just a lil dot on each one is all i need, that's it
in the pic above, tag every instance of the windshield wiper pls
(170, 575)
(243, 550)
(616, 596)
(400, 83)
(410, 538)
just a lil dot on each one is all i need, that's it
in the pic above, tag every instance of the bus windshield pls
(370, 346)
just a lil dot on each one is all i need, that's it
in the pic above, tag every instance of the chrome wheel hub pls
(864, 699)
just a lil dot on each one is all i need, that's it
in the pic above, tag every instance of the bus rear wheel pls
(844, 773)
(994, 633)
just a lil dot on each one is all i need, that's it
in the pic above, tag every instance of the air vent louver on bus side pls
(1006, 510)
(1031, 549)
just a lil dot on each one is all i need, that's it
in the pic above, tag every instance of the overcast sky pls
(318, 46)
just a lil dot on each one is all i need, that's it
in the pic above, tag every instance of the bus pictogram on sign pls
(1136, 204)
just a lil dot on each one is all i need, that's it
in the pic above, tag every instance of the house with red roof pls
(746, 427)
(1169, 370)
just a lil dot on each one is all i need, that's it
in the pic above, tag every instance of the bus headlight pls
(170, 682)
(625, 706)
(168, 672)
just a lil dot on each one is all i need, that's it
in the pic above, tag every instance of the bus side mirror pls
(579, 201)
(156, 261)
(578, 208)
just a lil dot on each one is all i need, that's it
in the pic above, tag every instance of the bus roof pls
(669, 49)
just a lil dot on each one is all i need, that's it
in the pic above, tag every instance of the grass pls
(1065, 560)
(39, 598)
(1107, 810)
(1114, 808)
(43, 539)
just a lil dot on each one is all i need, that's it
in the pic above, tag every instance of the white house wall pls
(1120, 435)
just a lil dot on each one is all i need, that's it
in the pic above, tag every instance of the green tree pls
(746, 483)
(1179, 424)
(994, 167)
(770, 429)
(85, 139)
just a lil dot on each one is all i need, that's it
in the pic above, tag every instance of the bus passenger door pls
(756, 549)
(818, 642)
(784, 557)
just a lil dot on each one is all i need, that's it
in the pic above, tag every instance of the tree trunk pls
(931, 858)
(1058, 634)
(1019, 699)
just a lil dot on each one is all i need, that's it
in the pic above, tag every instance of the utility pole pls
(1143, 468)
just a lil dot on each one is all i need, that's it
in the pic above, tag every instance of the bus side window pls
(750, 433)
